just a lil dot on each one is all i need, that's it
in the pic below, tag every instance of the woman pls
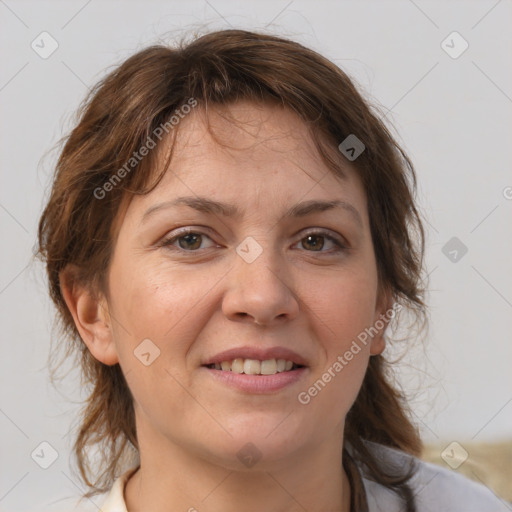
(229, 234)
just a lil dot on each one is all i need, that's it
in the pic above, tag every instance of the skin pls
(205, 299)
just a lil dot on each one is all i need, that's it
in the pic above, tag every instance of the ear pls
(381, 321)
(91, 316)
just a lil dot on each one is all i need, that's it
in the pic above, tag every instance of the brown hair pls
(119, 115)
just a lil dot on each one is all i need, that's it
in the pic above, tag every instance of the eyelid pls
(177, 233)
(339, 242)
(327, 234)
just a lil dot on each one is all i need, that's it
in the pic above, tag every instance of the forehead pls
(255, 155)
(248, 130)
(244, 129)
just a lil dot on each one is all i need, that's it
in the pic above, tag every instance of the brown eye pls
(313, 242)
(316, 242)
(190, 241)
(187, 240)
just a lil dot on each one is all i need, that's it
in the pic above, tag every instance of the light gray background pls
(452, 115)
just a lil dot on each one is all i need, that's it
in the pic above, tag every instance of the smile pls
(255, 366)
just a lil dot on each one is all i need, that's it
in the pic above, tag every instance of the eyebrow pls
(209, 206)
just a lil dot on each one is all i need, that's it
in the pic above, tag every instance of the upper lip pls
(258, 353)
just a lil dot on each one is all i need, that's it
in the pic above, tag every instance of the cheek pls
(161, 304)
(337, 379)
(344, 309)
(156, 319)
(344, 304)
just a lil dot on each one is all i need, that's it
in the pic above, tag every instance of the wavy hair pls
(117, 117)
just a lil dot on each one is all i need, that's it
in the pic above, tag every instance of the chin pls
(244, 455)
(262, 442)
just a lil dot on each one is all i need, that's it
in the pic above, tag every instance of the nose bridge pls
(257, 261)
(258, 286)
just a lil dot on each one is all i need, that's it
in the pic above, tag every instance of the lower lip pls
(258, 383)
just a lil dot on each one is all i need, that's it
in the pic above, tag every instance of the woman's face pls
(271, 275)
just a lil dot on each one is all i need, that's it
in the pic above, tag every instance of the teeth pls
(268, 367)
(237, 366)
(252, 367)
(255, 367)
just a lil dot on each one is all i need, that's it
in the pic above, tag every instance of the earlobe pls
(90, 314)
(381, 322)
(378, 344)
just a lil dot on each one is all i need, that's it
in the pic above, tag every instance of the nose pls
(259, 292)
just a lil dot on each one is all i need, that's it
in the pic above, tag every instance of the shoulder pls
(115, 499)
(435, 488)
(111, 501)
(74, 503)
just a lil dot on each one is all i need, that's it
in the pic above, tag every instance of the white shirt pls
(436, 489)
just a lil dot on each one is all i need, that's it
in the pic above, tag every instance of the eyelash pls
(340, 247)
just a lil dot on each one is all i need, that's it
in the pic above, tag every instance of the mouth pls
(255, 366)
(257, 370)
